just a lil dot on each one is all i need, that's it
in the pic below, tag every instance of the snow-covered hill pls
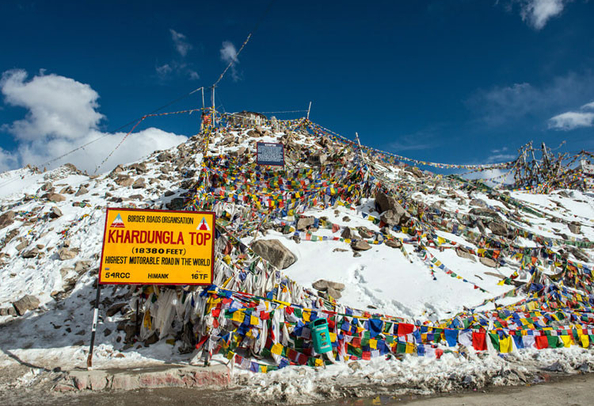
(416, 247)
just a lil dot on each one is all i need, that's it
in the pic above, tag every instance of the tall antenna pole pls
(202, 97)
(308, 110)
(213, 105)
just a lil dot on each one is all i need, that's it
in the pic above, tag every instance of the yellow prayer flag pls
(410, 348)
(585, 340)
(505, 345)
(567, 341)
(277, 349)
(373, 344)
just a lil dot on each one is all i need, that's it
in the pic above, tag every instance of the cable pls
(245, 42)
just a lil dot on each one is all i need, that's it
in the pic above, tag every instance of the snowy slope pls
(54, 254)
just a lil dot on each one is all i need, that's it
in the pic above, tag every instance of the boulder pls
(479, 211)
(65, 253)
(334, 293)
(164, 156)
(139, 184)
(395, 243)
(304, 222)
(498, 228)
(574, 227)
(22, 245)
(176, 204)
(56, 197)
(55, 212)
(8, 311)
(396, 214)
(364, 232)
(324, 285)
(81, 191)
(463, 253)
(360, 245)
(478, 203)
(488, 262)
(25, 303)
(274, 252)
(32, 253)
(347, 233)
(7, 219)
(124, 181)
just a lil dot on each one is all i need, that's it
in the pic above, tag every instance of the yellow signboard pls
(157, 247)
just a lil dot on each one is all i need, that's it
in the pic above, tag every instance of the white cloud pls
(229, 56)
(181, 44)
(58, 106)
(178, 66)
(573, 119)
(62, 116)
(505, 104)
(538, 12)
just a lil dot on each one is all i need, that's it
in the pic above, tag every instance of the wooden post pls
(94, 326)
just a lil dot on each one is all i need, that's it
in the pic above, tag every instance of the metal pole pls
(202, 97)
(94, 326)
(308, 110)
(213, 106)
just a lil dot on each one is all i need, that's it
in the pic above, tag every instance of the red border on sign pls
(214, 221)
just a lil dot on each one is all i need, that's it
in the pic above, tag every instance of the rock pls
(10, 235)
(339, 250)
(124, 181)
(274, 252)
(139, 184)
(324, 285)
(360, 245)
(415, 171)
(22, 245)
(488, 262)
(32, 253)
(574, 227)
(25, 303)
(364, 232)
(479, 211)
(176, 204)
(55, 213)
(164, 156)
(347, 233)
(346, 219)
(151, 340)
(82, 266)
(396, 214)
(56, 197)
(478, 203)
(81, 191)
(7, 219)
(334, 293)
(579, 254)
(394, 243)
(139, 168)
(115, 309)
(168, 193)
(498, 228)
(355, 366)
(304, 222)
(65, 253)
(463, 253)
(8, 311)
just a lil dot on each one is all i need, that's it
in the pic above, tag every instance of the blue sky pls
(455, 81)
